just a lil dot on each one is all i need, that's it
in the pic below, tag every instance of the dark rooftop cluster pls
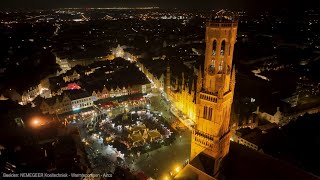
(110, 74)
(124, 74)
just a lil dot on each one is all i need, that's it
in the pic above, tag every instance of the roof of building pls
(56, 83)
(76, 69)
(188, 173)
(204, 162)
(136, 137)
(155, 67)
(71, 94)
(252, 135)
(49, 101)
(243, 163)
(123, 76)
(154, 133)
(77, 94)
(267, 127)
(138, 128)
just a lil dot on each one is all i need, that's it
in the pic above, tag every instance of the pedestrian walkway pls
(186, 121)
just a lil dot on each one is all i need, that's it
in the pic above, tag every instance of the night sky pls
(234, 4)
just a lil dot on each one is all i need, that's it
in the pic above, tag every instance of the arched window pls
(214, 47)
(211, 67)
(223, 46)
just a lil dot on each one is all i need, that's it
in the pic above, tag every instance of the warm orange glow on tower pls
(215, 91)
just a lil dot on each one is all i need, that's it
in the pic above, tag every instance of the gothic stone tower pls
(211, 135)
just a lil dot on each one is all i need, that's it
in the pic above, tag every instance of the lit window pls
(221, 65)
(223, 44)
(214, 47)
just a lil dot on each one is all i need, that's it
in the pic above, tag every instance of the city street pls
(159, 103)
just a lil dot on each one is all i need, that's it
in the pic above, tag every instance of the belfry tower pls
(215, 89)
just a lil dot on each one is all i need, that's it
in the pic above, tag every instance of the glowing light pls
(77, 20)
(36, 122)
(73, 86)
(177, 169)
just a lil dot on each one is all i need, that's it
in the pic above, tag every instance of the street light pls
(36, 122)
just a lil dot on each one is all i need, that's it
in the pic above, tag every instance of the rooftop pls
(243, 163)
(252, 135)
(136, 137)
(154, 133)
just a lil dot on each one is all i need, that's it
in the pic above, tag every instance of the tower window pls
(210, 114)
(221, 66)
(223, 46)
(205, 112)
(214, 47)
(211, 68)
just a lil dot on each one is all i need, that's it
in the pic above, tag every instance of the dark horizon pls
(163, 4)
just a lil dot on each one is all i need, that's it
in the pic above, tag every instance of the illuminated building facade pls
(74, 101)
(30, 94)
(64, 65)
(181, 96)
(71, 77)
(117, 92)
(210, 139)
(119, 52)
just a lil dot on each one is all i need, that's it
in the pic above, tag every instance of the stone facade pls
(215, 90)
(182, 99)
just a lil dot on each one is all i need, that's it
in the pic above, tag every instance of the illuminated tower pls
(211, 135)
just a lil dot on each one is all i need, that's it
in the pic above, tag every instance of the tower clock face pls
(211, 70)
